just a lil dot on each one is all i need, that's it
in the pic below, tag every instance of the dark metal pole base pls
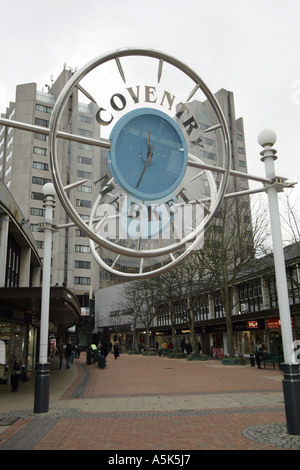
(41, 397)
(291, 392)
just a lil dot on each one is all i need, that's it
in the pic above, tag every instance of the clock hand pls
(148, 138)
(149, 158)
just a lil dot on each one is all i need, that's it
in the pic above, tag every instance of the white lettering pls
(135, 221)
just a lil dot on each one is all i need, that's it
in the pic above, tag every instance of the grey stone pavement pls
(142, 403)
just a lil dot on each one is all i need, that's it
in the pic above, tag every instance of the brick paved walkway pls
(146, 403)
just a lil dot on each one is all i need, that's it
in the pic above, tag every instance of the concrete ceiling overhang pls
(64, 308)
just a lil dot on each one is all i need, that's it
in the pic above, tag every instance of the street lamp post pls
(291, 380)
(41, 398)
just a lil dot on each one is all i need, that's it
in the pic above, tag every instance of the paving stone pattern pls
(150, 403)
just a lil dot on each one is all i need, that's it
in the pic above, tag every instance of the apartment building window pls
(210, 142)
(82, 264)
(39, 136)
(85, 119)
(41, 122)
(8, 156)
(38, 196)
(84, 174)
(82, 280)
(8, 171)
(37, 211)
(40, 166)
(43, 108)
(83, 203)
(84, 160)
(39, 151)
(209, 155)
(82, 249)
(79, 233)
(85, 132)
(84, 146)
(10, 142)
(84, 189)
(39, 180)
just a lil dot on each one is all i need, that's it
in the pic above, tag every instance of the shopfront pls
(247, 334)
(20, 320)
(16, 330)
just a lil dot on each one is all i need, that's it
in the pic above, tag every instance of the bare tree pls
(132, 303)
(149, 294)
(232, 241)
(169, 287)
(195, 284)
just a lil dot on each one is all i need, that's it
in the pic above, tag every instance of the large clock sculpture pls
(164, 168)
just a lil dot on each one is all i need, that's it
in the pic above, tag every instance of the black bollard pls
(41, 397)
(291, 392)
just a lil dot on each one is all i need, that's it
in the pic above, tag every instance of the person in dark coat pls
(116, 350)
(104, 349)
(16, 363)
(188, 347)
(69, 349)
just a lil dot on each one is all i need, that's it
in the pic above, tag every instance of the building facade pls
(255, 314)
(24, 168)
(21, 291)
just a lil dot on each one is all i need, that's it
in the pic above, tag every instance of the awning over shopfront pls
(64, 310)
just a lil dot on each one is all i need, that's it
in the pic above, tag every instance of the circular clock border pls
(54, 124)
(114, 165)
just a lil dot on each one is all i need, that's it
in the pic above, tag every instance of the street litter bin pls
(252, 360)
(102, 362)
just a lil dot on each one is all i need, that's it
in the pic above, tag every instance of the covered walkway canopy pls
(64, 310)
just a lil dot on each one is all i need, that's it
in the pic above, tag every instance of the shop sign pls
(84, 312)
(252, 324)
(274, 323)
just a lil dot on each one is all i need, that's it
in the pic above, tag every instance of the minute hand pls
(150, 153)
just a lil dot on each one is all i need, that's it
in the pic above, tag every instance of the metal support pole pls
(291, 380)
(41, 398)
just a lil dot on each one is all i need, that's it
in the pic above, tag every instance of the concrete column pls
(4, 225)
(24, 276)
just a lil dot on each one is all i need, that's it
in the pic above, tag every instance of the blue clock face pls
(148, 156)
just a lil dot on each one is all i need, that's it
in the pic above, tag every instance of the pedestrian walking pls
(61, 355)
(188, 347)
(116, 350)
(69, 350)
(258, 353)
(16, 363)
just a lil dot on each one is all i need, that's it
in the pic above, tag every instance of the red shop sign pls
(274, 323)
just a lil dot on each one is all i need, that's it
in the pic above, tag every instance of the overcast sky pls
(249, 47)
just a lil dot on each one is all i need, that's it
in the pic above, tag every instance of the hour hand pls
(149, 158)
